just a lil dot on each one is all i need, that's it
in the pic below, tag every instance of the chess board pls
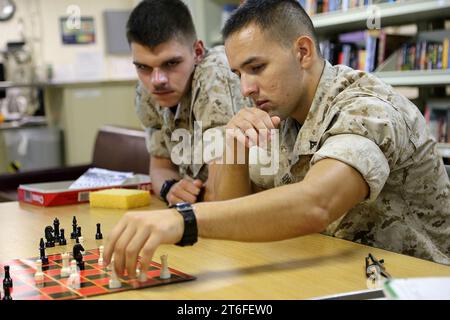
(93, 280)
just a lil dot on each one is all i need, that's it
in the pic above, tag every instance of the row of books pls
(313, 7)
(362, 50)
(437, 116)
(424, 55)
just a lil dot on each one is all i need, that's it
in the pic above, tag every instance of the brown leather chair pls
(116, 148)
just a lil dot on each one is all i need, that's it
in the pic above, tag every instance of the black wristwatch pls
(166, 188)
(190, 233)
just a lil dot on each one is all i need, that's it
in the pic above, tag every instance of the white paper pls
(96, 177)
(418, 289)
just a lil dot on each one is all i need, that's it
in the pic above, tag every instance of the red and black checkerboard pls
(93, 280)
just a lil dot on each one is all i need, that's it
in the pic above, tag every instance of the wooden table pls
(306, 267)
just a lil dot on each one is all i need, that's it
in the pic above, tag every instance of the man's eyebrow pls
(245, 63)
(136, 63)
(171, 59)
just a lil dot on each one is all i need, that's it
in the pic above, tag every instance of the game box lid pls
(58, 193)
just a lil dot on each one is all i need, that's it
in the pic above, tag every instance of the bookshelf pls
(426, 15)
(415, 77)
(391, 14)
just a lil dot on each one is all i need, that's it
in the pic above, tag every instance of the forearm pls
(228, 181)
(267, 216)
(289, 211)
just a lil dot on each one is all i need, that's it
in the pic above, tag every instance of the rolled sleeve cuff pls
(155, 143)
(360, 153)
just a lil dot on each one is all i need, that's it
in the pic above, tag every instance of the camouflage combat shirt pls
(214, 99)
(359, 120)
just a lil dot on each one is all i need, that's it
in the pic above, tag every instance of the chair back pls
(121, 149)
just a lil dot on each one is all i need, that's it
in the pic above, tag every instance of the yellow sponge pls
(119, 198)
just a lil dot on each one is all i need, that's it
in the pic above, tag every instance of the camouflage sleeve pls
(368, 134)
(218, 98)
(151, 120)
(360, 153)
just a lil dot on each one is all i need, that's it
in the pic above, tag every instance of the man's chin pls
(167, 103)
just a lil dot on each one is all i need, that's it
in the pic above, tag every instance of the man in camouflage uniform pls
(356, 159)
(180, 82)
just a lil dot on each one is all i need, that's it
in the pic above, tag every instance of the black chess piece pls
(78, 231)
(7, 292)
(78, 256)
(49, 237)
(43, 258)
(98, 235)
(62, 238)
(7, 280)
(56, 229)
(73, 235)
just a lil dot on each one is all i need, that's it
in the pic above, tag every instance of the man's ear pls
(305, 51)
(199, 51)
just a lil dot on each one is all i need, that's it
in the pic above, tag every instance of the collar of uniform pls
(312, 129)
(183, 110)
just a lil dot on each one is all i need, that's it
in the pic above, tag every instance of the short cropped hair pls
(154, 22)
(283, 20)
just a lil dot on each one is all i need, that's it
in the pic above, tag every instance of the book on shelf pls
(362, 50)
(437, 116)
(424, 55)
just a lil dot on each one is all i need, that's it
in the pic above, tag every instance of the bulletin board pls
(82, 34)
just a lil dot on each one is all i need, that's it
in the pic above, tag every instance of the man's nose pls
(158, 77)
(248, 87)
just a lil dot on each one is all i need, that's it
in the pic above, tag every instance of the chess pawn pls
(7, 281)
(114, 282)
(62, 238)
(81, 241)
(141, 275)
(73, 235)
(65, 271)
(164, 272)
(100, 256)
(74, 278)
(39, 275)
(98, 235)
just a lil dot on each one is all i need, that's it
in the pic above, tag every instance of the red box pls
(58, 193)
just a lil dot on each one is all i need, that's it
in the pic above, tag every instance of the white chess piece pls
(141, 275)
(100, 254)
(164, 273)
(81, 241)
(114, 282)
(39, 275)
(74, 278)
(65, 270)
